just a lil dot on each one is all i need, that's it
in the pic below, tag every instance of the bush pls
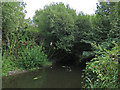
(7, 64)
(32, 57)
(102, 71)
(22, 53)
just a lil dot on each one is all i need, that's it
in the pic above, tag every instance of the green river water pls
(51, 77)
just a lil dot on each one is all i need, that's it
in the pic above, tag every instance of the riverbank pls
(20, 71)
(16, 72)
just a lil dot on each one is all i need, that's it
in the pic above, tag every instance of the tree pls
(63, 30)
(107, 21)
(12, 19)
(56, 25)
(82, 35)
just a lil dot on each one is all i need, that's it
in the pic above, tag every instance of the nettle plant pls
(32, 57)
(28, 54)
(102, 71)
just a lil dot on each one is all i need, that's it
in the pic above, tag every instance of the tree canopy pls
(56, 25)
(12, 17)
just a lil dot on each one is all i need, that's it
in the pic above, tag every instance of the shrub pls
(32, 57)
(7, 64)
(102, 71)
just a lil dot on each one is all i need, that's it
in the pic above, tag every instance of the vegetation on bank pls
(19, 51)
(25, 54)
(58, 34)
(102, 71)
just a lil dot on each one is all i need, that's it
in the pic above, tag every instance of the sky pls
(87, 6)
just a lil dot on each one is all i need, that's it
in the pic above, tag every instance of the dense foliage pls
(12, 18)
(102, 71)
(56, 25)
(61, 30)
(60, 34)
(106, 23)
(7, 64)
(32, 57)
(19, 50)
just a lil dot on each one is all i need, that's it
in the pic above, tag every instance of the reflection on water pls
(52, 77)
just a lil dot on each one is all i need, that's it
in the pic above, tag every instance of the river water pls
(51, 77)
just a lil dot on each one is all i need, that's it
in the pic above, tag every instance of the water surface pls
(52, 77)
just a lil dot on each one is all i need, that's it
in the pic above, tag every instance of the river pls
(51, 77)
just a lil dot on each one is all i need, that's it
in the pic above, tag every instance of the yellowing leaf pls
(35, 78)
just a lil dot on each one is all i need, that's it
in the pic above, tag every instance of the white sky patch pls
(87, 6)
